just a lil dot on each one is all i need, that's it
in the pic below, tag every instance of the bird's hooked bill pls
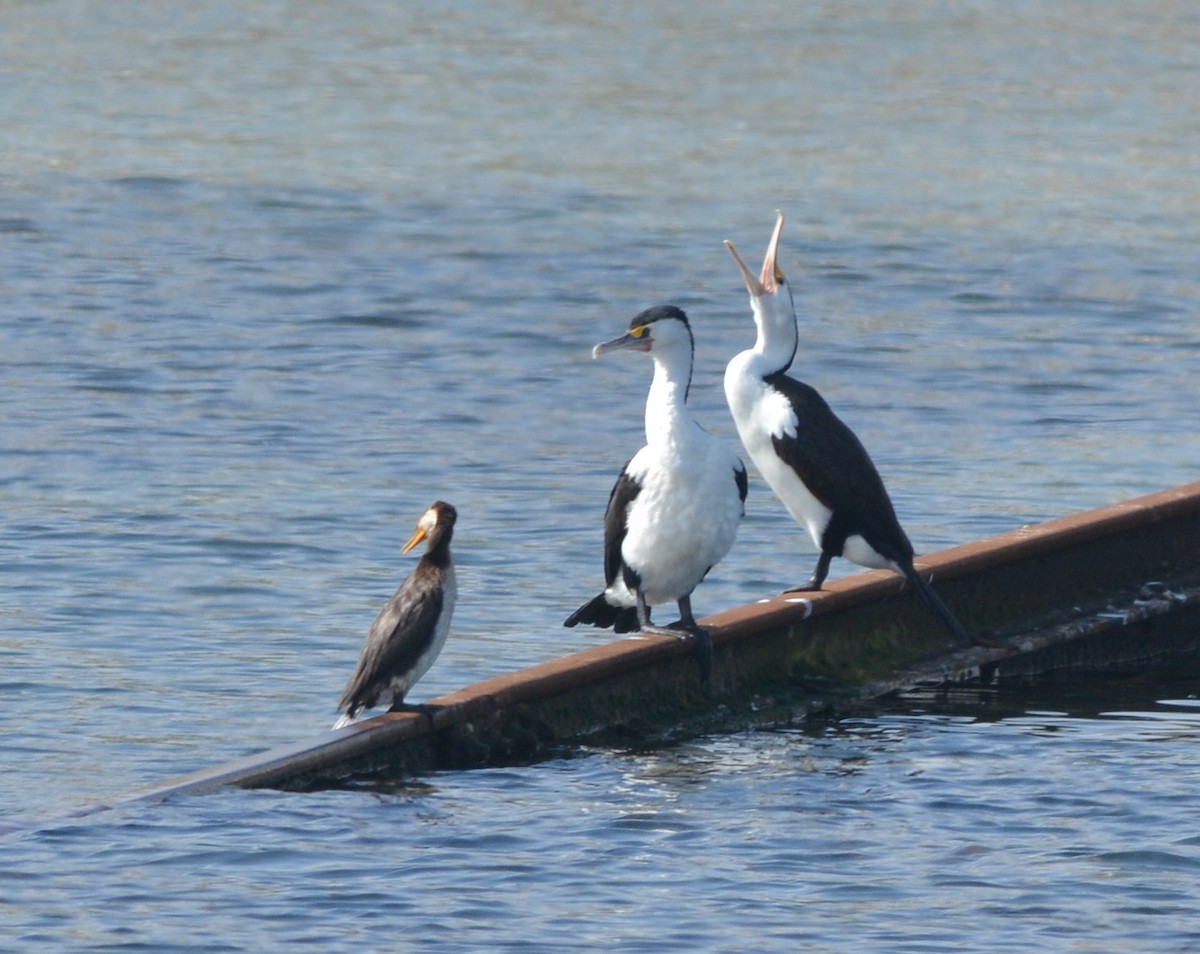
(418, 535)
(768, 282)
(637, 339)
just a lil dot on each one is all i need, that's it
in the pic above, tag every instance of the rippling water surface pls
(275, 279)
(913, 831)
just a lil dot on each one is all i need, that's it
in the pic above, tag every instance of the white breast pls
(762, 415)
(683, 520)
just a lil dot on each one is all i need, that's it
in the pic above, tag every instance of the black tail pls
(934, 602)
(600, 613)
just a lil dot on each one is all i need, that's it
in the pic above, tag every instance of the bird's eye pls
(779, 279)
(637, 332)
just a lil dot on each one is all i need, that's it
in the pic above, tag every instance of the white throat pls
(778, 338)
(666, 405)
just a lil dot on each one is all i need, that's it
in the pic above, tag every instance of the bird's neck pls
(438, 552)
(775, 346)
(666, 405)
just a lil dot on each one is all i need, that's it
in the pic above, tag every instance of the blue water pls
(275, 279)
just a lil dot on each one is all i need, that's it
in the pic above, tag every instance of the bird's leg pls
(818, 576)
(686, 619)
(682, 628)
(643, 611)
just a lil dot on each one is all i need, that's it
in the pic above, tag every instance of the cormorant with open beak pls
(815, 464)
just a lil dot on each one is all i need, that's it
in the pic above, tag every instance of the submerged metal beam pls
(1117, 587)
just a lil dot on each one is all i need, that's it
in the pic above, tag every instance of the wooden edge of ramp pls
(1109, 588)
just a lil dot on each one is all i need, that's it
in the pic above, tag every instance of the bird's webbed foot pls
(676, 629)
(818, 577)
(683, 628)
(423, 708)
(703, 648)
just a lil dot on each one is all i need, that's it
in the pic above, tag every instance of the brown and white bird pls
(815, 464)
(411, 629)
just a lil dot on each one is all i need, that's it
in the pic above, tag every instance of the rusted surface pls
(1047, 586)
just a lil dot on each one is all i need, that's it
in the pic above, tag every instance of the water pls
(275, 280)
(913, 831)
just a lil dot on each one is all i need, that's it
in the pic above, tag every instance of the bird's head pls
(770, 281)
(435, 522)
(770, 297)
(655, 329)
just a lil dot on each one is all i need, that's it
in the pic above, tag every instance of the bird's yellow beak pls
(772, 276)
(418, 535)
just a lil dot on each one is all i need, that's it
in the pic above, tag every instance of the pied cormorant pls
(411, 629)
(674, 510)
(815, 464)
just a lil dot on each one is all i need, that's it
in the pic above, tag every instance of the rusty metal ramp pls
(1114, 589)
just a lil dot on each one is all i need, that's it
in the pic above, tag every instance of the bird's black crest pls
(659, 313)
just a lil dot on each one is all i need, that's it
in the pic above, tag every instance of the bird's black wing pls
(400, 634)
(742, 481)
(836, 468)
(616, 522)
